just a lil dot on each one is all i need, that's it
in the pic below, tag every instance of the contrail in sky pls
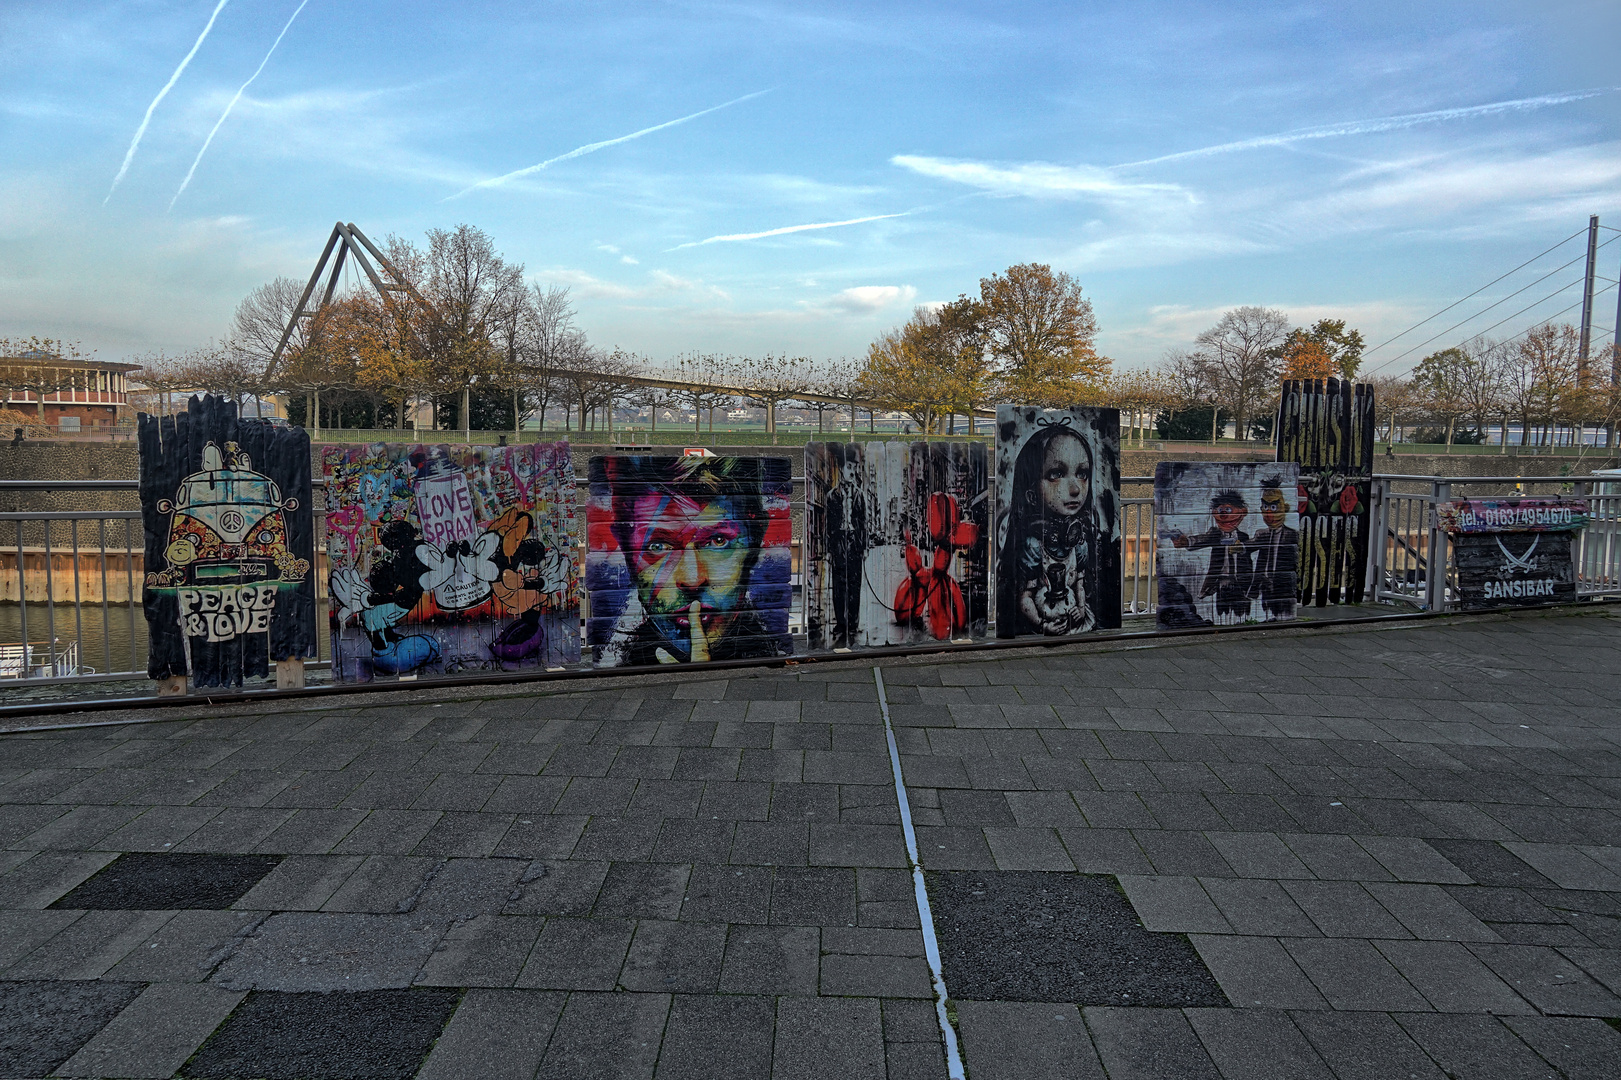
(786, 229)
(591, 148)
(239, 92)
(1382, 123)
(129, 155)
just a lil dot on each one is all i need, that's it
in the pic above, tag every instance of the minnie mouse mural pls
(450, 558)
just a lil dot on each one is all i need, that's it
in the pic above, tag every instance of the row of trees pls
(1536, 379)
(487, 349)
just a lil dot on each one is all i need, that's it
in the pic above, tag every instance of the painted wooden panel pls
(1326, 427)
(1057, 520)
(1228, 540)
(896, 543)
(688, 559)
(448, 559)
(230, 543)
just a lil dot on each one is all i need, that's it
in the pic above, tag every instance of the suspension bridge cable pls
(1488, 307)
(1477, 292)
(1533, 304)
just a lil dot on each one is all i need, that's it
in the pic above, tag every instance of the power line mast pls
(1586, 346)
(348, 241)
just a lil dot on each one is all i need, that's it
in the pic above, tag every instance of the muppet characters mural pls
(450, 559)
(1228, 542)
(896, 543)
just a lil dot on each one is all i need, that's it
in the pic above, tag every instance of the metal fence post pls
(1435, 576)
(1374, 585)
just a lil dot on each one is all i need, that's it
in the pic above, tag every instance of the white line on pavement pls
(931, 947)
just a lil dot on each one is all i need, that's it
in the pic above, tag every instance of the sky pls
(746, 178)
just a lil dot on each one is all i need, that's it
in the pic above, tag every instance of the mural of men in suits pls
(1276, 549)
(1229, 578)
(847, 545)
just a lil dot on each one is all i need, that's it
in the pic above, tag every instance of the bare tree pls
(1242, 353)
(772, 380)
(262, 317)
(706, 376)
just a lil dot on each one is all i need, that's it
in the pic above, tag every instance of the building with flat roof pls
(68, 394)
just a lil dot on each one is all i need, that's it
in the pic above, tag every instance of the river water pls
(110, 640)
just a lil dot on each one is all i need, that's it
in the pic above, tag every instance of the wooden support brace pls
(173, 686)
(290, 674)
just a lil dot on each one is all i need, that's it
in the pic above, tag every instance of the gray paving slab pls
(21, 932)
(1548, 980)
(1366, 1046)
(1257, 972)
(1580, 1049)
(90, 946)
(828, 1039)
(577, 954)
(46, 876)
(323, 951)
(155, 1034)
(1476, 1048)
(495, 1035)
(1429, 913)
(1451, 978)
(186, 948)
(1354, 975)
(1174, 904)
(717, 1038)
(1257, 1044)
(1008, 1040)
(1147, 1044)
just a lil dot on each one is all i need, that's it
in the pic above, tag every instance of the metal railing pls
(71, 580)
(1407, 540)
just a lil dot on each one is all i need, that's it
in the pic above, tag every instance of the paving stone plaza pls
(1387, 851)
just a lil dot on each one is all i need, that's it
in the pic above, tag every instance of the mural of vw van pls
(228, 525)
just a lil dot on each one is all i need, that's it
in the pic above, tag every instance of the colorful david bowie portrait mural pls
(1326, 427)
(896, 543)
(1228, 537)
(448, 559)
(1514, 551)
(1057, 520)
(230, 544)
(688, 559)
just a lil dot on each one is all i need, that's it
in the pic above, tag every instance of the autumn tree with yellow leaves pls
(1027, 338)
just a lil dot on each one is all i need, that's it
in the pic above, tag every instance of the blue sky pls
(952, 139)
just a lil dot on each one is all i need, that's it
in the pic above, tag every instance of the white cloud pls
(1042, 180)
(869, 299)
(1430, 190)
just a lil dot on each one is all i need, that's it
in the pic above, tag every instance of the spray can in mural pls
(225, 503)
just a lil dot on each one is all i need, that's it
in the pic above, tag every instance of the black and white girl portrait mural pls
(1057, 520)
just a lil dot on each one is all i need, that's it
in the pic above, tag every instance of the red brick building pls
(65, 393)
